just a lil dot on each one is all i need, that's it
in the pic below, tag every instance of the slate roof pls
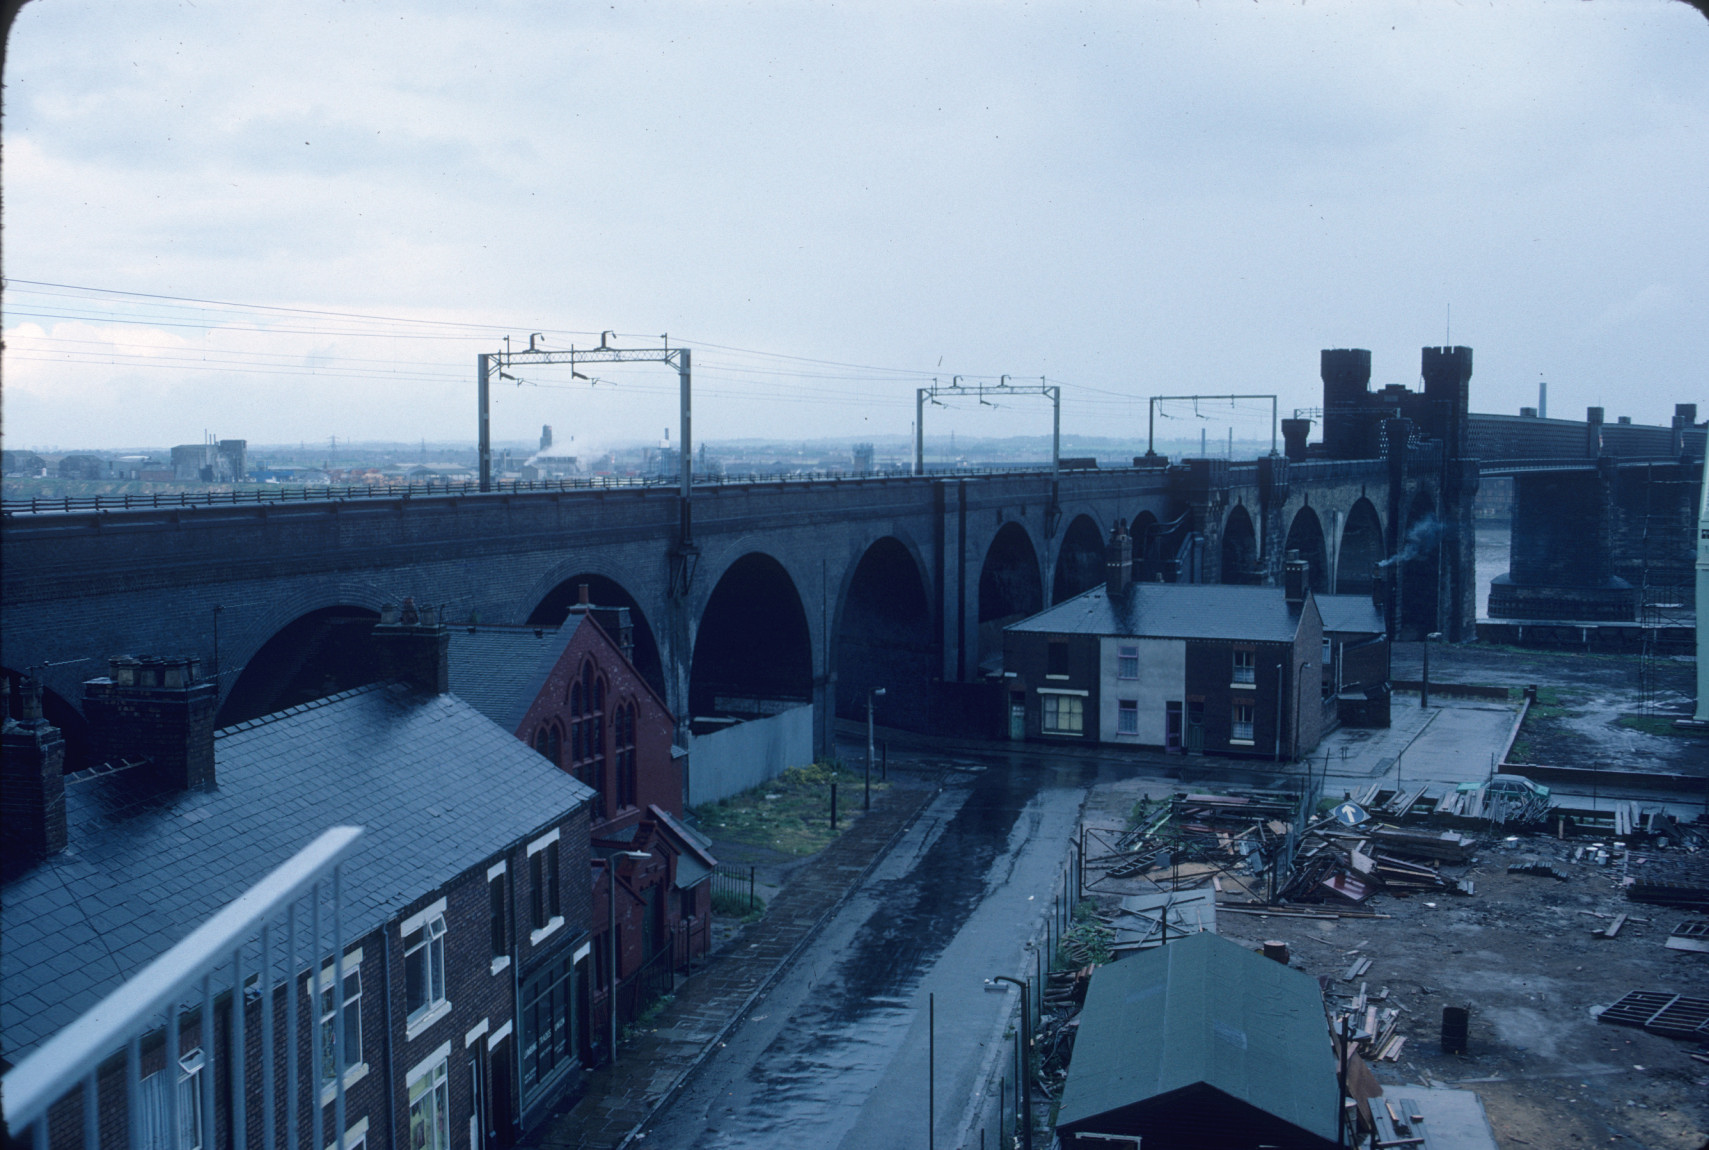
(437, 785)
(1174, 611)
(500, 670)
(1355, 614)
(1201, 1012)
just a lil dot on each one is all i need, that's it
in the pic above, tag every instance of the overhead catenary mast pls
(1702, 715)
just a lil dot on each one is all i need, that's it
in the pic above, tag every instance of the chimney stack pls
(32, 775)
(158, 708)
(1296, 576)
(1118, 561)
(414, 647)
(1593, 417)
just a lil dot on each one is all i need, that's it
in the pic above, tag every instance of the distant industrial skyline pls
(298, 223)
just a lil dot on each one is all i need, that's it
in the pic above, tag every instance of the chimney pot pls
(415, 648)
(1296, 576)
(156, 708)
(582, 594)
(32, 786)
(1118, 560)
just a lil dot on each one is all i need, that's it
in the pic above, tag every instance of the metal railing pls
(269, 494)
(153, 999)
(735, 883)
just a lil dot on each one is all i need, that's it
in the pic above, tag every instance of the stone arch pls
(1361, 549)
(1010, 587)
(604, 591)
(753, 648)
(1240, 548)
(1305, 535)
(319, 653)
(884, 638)
(1420, 558)
(1080, 561)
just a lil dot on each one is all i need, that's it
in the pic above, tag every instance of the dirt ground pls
(1604, 711)
(1520, 954)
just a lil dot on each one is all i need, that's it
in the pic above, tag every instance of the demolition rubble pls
(1314, 880)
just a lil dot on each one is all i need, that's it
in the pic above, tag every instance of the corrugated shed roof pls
(1203, 1011)
(437, 785)
(1350, 613)
(1174, 611)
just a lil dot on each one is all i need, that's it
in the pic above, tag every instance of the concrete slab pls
(1450, 741)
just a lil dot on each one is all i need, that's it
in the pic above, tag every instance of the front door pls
(1195, 728)
(477, 1102)
(1017, 715)
(501, 1127)
(1172, 727)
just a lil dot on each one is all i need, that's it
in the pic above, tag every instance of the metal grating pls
(1681, 1018)
(1637, 1008)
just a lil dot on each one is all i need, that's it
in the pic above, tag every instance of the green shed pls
(1201, 1045)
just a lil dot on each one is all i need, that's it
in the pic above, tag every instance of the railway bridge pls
(789, 591)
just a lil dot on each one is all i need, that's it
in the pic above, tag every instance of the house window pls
(329, 1021)
(430, 1110)
(156, 1111)
(543, 886)
(548, 1022)
(496, 899)
(1127, 717)
(1127, 663)
(1245, 666)
(623, 736)
(1242, 728)
(1064, 714)
(424, 966)
(587, 734)
(1056, 659)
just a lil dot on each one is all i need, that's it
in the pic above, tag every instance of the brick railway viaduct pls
(822, 590)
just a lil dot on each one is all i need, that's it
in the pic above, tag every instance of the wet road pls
(837, 1053)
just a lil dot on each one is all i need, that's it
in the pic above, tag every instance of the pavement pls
(654, 1063)
(1453, 740)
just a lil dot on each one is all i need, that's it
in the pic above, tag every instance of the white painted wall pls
(730, 761)
(1162, 679)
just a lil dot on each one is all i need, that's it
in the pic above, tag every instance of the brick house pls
(1233, 670)
(575, 696)
(467, 960)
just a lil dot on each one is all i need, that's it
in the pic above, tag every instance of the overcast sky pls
(1128, 199)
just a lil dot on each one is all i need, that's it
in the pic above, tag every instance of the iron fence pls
(45, 1085)
(735, 883)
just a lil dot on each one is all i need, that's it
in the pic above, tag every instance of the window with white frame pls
(1127, 717)
(1242, 727)
(1064, 714)
(329, 1020)
(1127, 663)
(430, 1109)
(156, 1107)
(1245, 666)
(424, 967)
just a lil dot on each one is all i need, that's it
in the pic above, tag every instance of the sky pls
(296, 221)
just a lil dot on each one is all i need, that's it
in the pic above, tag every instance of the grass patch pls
(1653, 725)
(791, 813)
(731, 904)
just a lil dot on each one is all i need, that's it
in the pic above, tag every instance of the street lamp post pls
(870, 696)
(1424, 691)
(1024, 1085)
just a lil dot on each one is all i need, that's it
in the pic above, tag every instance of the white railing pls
(152, 999)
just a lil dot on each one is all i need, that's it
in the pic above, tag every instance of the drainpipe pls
(1280, 683)
(391, 1075)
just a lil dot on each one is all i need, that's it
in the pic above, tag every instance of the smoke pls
(1420, 538)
